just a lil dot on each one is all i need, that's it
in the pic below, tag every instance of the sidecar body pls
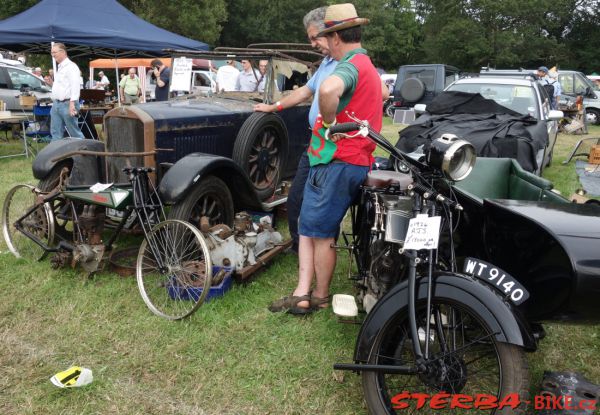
(516, 221)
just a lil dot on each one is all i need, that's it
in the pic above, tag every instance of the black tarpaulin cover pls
(494, 130)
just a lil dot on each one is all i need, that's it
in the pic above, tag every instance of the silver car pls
(14, 81)
(525, 96)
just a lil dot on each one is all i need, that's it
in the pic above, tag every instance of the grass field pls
(231, 357)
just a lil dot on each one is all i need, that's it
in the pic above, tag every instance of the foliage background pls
(465, 33)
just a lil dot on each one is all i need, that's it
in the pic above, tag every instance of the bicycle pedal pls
(344, 305)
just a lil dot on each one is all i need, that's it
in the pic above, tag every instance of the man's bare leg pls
(306, 253)
(324, 260)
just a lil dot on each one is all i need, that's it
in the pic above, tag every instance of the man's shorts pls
(329, 191)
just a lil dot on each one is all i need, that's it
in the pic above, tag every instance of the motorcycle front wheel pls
(464, 359)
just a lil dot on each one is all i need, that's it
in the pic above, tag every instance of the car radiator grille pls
(123, 135)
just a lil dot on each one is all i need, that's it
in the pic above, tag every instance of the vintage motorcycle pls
(432, 328)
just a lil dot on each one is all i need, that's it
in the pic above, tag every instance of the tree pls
(392, 35)
(259, 21)
(197, 19)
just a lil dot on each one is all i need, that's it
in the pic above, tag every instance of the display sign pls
(181, 74)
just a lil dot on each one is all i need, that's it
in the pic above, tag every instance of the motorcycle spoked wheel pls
(474, 362)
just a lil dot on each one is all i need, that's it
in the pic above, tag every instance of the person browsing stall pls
(227, 76)
(103, 83)
(130, 88)
(247, 80)
(337, 166)
(313, 23)
(65, 95)
(163, 76)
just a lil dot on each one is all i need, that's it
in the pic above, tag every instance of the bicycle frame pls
(141, 199)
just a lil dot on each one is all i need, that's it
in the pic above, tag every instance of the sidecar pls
(516, 221)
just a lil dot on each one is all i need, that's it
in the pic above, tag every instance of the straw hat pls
(341, 16)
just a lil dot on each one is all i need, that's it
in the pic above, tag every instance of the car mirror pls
(555, 115)
(420, 108)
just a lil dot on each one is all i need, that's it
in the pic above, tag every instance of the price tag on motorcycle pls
(423, 232)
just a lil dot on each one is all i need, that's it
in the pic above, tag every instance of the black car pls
(213, 154)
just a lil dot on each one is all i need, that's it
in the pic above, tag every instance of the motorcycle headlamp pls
(453, 156)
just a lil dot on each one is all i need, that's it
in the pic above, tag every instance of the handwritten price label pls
(423, 232)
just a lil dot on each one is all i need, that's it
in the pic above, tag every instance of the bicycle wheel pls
(40, 223)
(173, 269)
(464, 358)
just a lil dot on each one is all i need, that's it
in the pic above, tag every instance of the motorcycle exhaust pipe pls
(389, 369)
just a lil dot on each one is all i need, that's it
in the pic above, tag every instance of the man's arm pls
(330, 92)
(296, 97)
(385, 92)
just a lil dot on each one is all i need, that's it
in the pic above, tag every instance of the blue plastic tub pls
(193, 293)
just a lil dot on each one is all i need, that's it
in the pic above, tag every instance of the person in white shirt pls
(103, 83)
(65, 95)
(262, 68)
(248, 79)
(227, 76)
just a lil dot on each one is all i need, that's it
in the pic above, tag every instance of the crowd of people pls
(249, 79)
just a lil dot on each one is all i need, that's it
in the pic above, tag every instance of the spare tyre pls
(412, 89)
(260, 149)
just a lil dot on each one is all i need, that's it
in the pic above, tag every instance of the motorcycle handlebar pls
(344, 128)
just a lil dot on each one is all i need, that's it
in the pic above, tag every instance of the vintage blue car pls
(213, 154)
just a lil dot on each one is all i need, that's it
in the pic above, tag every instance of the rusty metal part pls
(122, 261)
(91, 224)
(221, 230)
(242, 222)
(262, 260)
(60, 259)
(204, 224)
(194, 273)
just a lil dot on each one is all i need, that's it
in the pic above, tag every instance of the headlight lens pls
(453, 156)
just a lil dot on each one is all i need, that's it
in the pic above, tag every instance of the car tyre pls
(261, 149)
(593, 116)
(209, 197)
(412, 90)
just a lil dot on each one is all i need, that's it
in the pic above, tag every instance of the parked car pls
(419, 84)
(213, 154)
(573, 84)
(522, 96)
(14, 81)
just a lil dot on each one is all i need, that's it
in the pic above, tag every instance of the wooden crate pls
(595, 154)
(27, 101)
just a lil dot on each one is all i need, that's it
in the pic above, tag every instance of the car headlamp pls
(453, 156)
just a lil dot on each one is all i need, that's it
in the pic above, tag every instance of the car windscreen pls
(518, 98)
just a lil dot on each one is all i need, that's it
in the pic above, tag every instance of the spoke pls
(270, 141)
(253, 172)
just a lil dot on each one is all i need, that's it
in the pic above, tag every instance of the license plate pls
(497, 278)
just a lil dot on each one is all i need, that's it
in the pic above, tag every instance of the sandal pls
(289, 305)
(319, 303)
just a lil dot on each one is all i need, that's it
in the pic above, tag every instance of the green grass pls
(231, 357)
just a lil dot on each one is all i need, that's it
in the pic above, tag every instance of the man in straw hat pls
(338, 167)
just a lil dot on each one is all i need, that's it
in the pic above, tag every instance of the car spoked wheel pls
(261, 150)
(209, 198)
(464, 358)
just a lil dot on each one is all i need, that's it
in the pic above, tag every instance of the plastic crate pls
(177, 292)
(595, 154)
